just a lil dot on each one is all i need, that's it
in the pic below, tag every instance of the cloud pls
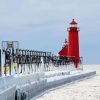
(43, 24)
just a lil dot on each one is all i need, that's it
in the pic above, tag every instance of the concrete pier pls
(30, 86)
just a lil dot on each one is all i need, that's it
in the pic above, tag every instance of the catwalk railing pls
(17, 61)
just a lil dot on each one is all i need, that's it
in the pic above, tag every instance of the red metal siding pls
(73, 44)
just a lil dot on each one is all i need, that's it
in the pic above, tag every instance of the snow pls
(83, 90)
(63, 74)
(89, 89)
(92, 67)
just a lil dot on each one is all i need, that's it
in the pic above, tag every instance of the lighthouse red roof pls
(63, 51)
(73, 22)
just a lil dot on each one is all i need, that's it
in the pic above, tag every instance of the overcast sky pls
(42, 24)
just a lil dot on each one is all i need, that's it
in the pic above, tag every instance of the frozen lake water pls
(88, 89)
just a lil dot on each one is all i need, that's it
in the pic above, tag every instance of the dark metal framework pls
(29, 57)
(21, 56)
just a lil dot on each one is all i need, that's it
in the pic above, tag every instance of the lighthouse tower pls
(73, 42)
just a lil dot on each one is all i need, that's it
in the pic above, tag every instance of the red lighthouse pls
(73, 42)
(70, 49)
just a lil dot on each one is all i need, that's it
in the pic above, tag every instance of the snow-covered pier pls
(25, 87)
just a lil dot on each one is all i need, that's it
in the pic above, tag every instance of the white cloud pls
(50, 18)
